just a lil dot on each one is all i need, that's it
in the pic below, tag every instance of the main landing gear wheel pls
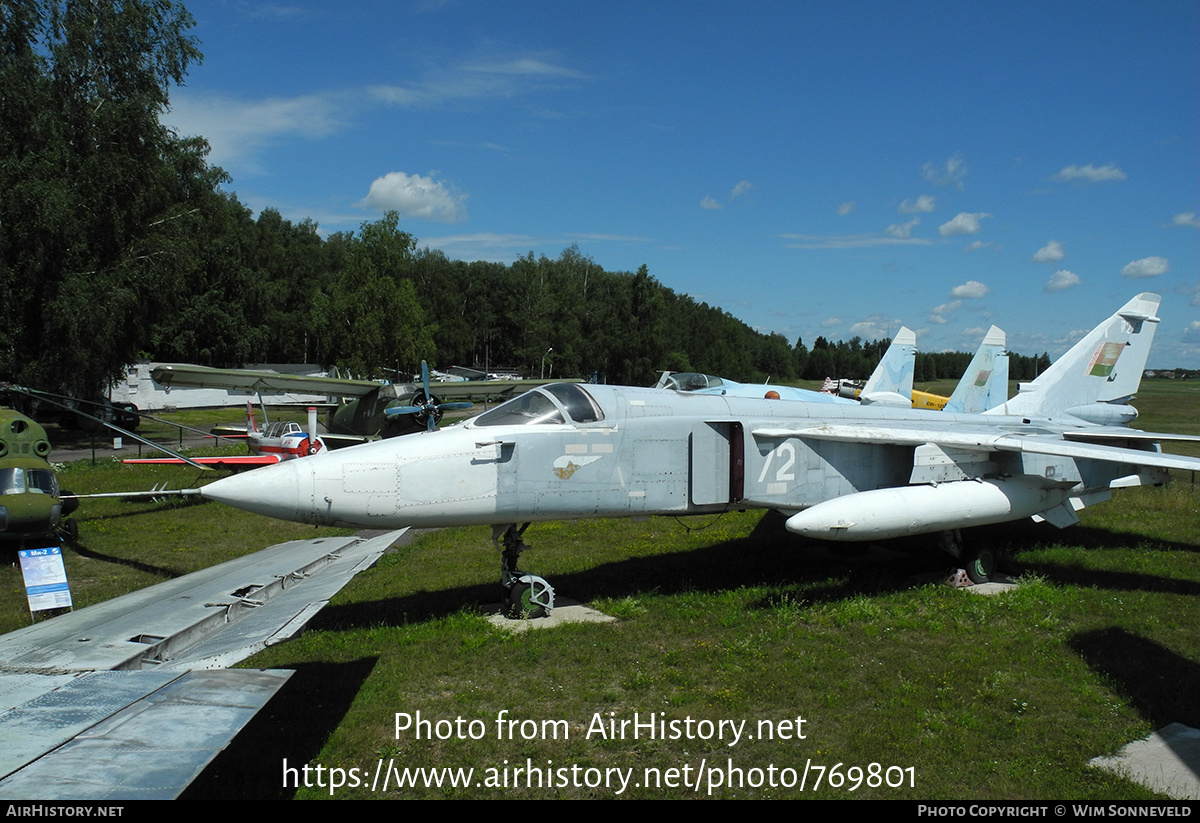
(526, 595)
(980, 564)
(69, 530)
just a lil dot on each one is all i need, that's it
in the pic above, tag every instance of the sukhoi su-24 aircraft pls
(836, 471)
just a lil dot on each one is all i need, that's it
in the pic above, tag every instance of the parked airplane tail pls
(1095, 380)
(984, 385)
(892, 381)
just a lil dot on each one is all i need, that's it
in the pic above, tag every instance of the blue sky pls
(813, 168)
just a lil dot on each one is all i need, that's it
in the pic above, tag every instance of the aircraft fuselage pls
(649, 452)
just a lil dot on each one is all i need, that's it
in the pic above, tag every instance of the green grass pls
(1004, 697)
(124, 546)
(725, 618)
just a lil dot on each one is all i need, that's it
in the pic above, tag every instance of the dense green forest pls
(117, 242)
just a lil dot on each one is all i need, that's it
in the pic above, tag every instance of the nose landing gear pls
(528, 595)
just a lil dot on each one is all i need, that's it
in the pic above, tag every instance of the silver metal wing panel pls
(129, 698)
(139, 735)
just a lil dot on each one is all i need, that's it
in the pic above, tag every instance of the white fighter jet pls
(837, 472)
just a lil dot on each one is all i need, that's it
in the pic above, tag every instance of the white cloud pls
(962, 223)
(952, 172)
(848, 241)
(938, 314)
(742, 188)
(1052, 252)
(1146, 267)
(1191, 291)
(970, 290)
(976, 245)
(845, 208)
(923, 203)
(611, 238)
(876, 326)
(1062, 279)
(1090, 173)
(1191, 334)
(902, 230)
(1186, 218)
(236, 130)
(416, 196)
(830, 322)
(480, 80)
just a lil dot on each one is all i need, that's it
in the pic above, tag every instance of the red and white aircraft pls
(279, 441)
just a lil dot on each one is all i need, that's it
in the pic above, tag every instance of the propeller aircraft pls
(837, 472)
(278, 441)
(285, 440)
(362, 413)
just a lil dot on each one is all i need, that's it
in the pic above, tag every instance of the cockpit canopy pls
(281, 428)
(690, 381)
(32, 481)
(556, 403)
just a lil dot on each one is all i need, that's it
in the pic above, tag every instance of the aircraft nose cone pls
(273, 491)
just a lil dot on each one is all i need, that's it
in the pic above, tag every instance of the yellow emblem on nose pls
(565, 466)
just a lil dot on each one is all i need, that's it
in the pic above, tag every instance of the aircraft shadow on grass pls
(1159, 683)
(158, 571)
(293, 726)
(770, 555)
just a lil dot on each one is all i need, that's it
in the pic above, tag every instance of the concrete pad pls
(1168, 762)
(957, 579)
(991, 587)
(564, 611)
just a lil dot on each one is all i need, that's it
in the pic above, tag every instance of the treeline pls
(116, 243)
(372, 303)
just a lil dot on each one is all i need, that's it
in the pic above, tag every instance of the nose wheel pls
(527, 595)
(530, 596)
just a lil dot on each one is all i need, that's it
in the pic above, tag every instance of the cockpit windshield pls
(22, 481)
(280, 428)
(537, 408)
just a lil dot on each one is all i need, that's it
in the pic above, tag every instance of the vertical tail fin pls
(1096, 378)
(984, 385)
(892, 380)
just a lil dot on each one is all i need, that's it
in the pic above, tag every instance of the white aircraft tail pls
(892, 381)
(984, 385)
(1095, 380)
